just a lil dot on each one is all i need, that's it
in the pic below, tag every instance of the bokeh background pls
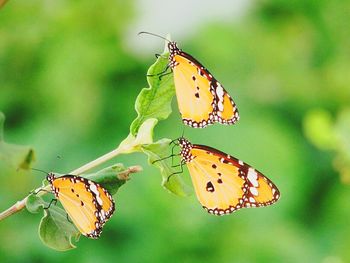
(70, 72)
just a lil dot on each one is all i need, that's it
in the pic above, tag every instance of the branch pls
(130, 170)
(104, 158)
(14, 209)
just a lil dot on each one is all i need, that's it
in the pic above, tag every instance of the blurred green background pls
(69, 76)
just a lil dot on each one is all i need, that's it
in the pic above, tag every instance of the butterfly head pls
(183, 142)
(173, 48)
(173, 51)
(186, 147)
(50, 177)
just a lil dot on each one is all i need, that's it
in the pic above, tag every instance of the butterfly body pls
(224, 184)
(202, 100)
(88, 204)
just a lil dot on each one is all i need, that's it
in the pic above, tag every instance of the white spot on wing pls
(254, 191)
(253, 177)
(251, 199)
(93, 189)
(220, 106)
(219, 91)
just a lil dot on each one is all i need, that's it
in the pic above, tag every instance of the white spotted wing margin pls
(226, 111)
(223, 183)
(83, 201)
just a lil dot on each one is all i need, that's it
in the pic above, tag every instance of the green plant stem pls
(104, 158)
(14, 209)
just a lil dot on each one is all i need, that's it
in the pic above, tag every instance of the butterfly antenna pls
(183, 132)
(35, 169)
(174, 142)
(152, 34)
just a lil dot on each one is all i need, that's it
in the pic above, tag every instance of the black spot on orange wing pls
(201, 69)
(210, 187)
(224, 161)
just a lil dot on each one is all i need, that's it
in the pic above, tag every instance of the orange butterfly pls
(87, 203)
(202, 100)
(224, 184)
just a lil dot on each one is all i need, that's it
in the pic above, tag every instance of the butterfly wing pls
(202, 100)
(217, 190)
(87, 203)
(224, 184)
(108, 206)
(195, 95)
(226, 110)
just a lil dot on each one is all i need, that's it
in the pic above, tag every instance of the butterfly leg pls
(175, 142)
(51, 202)
(162, 159)
(162, 74)
(68, 219)
(172, 154)
(40, 190)
(178, 172)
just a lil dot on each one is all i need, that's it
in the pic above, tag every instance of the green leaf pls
(155, 152)
(155, 101)
(55, 231)
(18, 156)
(111, 178)
(35, 204)
(154, 104)
(143, 142)
(145, 136)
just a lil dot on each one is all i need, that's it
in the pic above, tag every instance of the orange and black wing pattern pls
(224, 184)
(202, 100)
(87, 203)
